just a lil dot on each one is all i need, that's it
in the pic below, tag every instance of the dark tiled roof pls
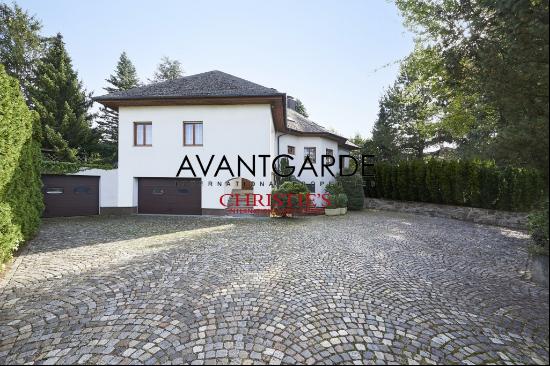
(295, 121)
(298, 123)
(208, 84)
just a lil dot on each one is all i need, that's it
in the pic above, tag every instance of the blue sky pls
(329, 54)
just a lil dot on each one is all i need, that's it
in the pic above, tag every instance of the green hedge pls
(538, 228)
(20, 186)
(353, 188)
(462, 183)
(63, 167)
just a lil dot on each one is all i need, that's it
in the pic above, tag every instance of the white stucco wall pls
(321, 144)
(227, 130)
(108, 185)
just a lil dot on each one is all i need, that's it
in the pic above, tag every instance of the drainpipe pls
(279, 142)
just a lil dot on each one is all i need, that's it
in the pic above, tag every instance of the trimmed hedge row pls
(20, 186)
(353, 188)
(458, 182)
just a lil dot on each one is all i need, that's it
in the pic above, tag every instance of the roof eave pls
(341, 140)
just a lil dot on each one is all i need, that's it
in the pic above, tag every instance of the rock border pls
(511, 220)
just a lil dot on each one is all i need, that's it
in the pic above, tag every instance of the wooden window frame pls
(314, 159)
(331, 152)
(289, 148)
(194, 123)
(136, 124)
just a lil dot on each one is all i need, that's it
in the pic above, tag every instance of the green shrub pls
(298, 192)
(332, 201)
(538, 228)
(353, 188)
(334, 188)
(342, 200)
(20, 185)
(10, 233)
(460, 182)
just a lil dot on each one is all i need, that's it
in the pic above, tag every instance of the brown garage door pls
(70, 195)
(176, 196)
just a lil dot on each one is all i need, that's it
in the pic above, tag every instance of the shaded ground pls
(368, 287)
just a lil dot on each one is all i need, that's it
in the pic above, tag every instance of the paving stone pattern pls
(369, 287)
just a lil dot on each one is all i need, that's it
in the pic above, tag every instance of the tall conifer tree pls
(124, 78)
(63, 105)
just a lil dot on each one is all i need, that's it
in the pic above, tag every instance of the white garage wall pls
(108, 185)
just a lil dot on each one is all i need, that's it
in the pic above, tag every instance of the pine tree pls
(124, 78)
(168, 70)
(384, 142)
(63, 105)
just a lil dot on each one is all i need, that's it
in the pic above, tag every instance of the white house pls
(207, 116)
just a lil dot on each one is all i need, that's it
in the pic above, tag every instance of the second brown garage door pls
(176, 196)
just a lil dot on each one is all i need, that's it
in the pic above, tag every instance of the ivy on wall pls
(63, 167)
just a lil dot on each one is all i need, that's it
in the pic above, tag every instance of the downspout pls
(284, 117)
(282, 134)
(278, 142)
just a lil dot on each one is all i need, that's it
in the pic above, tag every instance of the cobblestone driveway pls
(370, 287)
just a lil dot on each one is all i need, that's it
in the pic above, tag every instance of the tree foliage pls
(475, 87)
(63, 105)
(20, 186)
(168, 69)
(125, 77)
(301, 108)
(20, 44)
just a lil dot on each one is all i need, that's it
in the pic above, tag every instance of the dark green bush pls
(20, 185)
(459, 182)
(538, 227)
(353, 188)
(342, 200)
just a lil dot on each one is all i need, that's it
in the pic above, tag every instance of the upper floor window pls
(311, 152)
(330, 152)
(291, 150)
(192, 133)
(143, 134)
